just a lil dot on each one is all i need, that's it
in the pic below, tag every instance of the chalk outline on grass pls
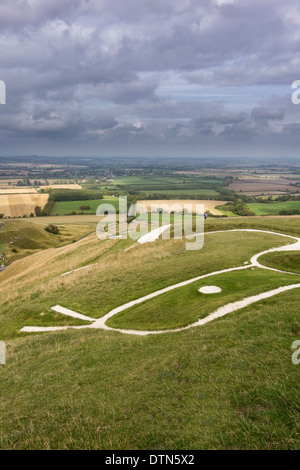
(147, 238)
(100, 323)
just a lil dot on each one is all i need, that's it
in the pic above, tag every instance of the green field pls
(174, 193)
(67, 207)
(273, 208)
(164, 180)
(229, 384)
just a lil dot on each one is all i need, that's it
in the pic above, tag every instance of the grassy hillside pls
(186, 305)
(19, 238)
(229, 384)
(119, 277)
(288, 225)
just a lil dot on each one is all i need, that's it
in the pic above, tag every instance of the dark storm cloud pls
(129, 75)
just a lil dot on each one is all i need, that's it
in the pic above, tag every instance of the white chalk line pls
(78, 269)
(130, 247)
(153, 235)
(71, 313)
(229, 308)
(149, 237)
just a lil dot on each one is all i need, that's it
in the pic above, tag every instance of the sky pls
(150, 78)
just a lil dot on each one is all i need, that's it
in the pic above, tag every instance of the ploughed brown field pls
(264, 185)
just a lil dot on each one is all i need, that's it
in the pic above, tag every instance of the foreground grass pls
(228, 385)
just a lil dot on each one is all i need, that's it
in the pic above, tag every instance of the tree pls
(52, 229)
(38, 211)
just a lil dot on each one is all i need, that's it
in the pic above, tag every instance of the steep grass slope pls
(230, 384)
(20, 238)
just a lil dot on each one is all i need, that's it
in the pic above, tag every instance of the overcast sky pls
(150, 77)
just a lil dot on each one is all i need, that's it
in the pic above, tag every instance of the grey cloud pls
(224, 118)
(267, 113)
(83, 71)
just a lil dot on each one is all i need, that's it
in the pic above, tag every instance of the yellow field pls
(208, 205)
(62, 186)
(18, 205)
(18, 191)
(82, 219)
